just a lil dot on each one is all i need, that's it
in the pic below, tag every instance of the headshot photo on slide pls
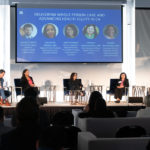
(50, 30)
(110, 31)
(90, 31)
(70, 30)
(28, 30)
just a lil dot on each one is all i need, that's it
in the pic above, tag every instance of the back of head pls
(52, 139)
(27, 110)
(131, 131)
(1, 114)
(63, 118)
(96, 102)
(31, 92)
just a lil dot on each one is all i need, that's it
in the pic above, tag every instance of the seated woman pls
(96, 107)
(27, 81)
(75, 86)
(120, 89)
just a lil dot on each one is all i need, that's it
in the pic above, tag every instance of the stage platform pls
(54, 107)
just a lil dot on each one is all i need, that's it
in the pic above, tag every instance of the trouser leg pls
(2, 94)
(119, 92)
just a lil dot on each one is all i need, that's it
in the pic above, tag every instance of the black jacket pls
(24, 83)
(75, 84)
(126, 83)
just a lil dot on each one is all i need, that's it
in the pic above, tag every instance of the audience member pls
(131, 131)
(51, 138)
(65, 120)
(145, 112)
(27, 132)
(44, 121)
(3, 128)
(96, 107)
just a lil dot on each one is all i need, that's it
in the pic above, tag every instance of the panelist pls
(3, 93)
(75, 86)
(120, 88)
(27, 81)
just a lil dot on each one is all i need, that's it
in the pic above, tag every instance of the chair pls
(113, 85)
(67, 92)
(138, 94)
(88, 141)
(96, 88)
(18, 87)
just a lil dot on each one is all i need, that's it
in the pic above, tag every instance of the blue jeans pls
(2, 94)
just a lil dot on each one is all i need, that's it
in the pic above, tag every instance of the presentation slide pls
(69, 35)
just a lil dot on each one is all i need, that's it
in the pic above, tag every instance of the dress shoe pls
(7, 103)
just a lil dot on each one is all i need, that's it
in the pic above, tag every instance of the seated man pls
(3, 93)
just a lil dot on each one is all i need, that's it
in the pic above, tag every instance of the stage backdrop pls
(96, 74)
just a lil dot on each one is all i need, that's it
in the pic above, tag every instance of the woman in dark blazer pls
(74, 83)
(26, 80)
(120, 88)
(75, 86)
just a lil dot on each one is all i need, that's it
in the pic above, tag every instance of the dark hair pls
(88, 25)
(72, 75)
(131, 131)
(73, 27)
(2, 70)
(124, 74)
(45, 28)
(96, 102)
(52, 138)
(27, 26)
(31, 91)
(1, 113)
(63, 118)
(23, 73)
(27, 110)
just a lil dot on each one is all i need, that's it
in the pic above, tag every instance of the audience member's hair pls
(52, 138)
(131, 131)
(63, 118)
(1, 114)
(27, 110)
(96, 102)
(147, 100)
(32, 92)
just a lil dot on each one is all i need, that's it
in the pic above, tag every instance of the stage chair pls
(138, 94)
(68, 96)
(96, 88)
(66, 89)
(52, 92)
(111, 90)
(148, 91)
(18, 87)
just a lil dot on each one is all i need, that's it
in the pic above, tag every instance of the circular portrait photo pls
(70, 31)
(90, 31)
(110, 31)
(50, 30)
(28, 30)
